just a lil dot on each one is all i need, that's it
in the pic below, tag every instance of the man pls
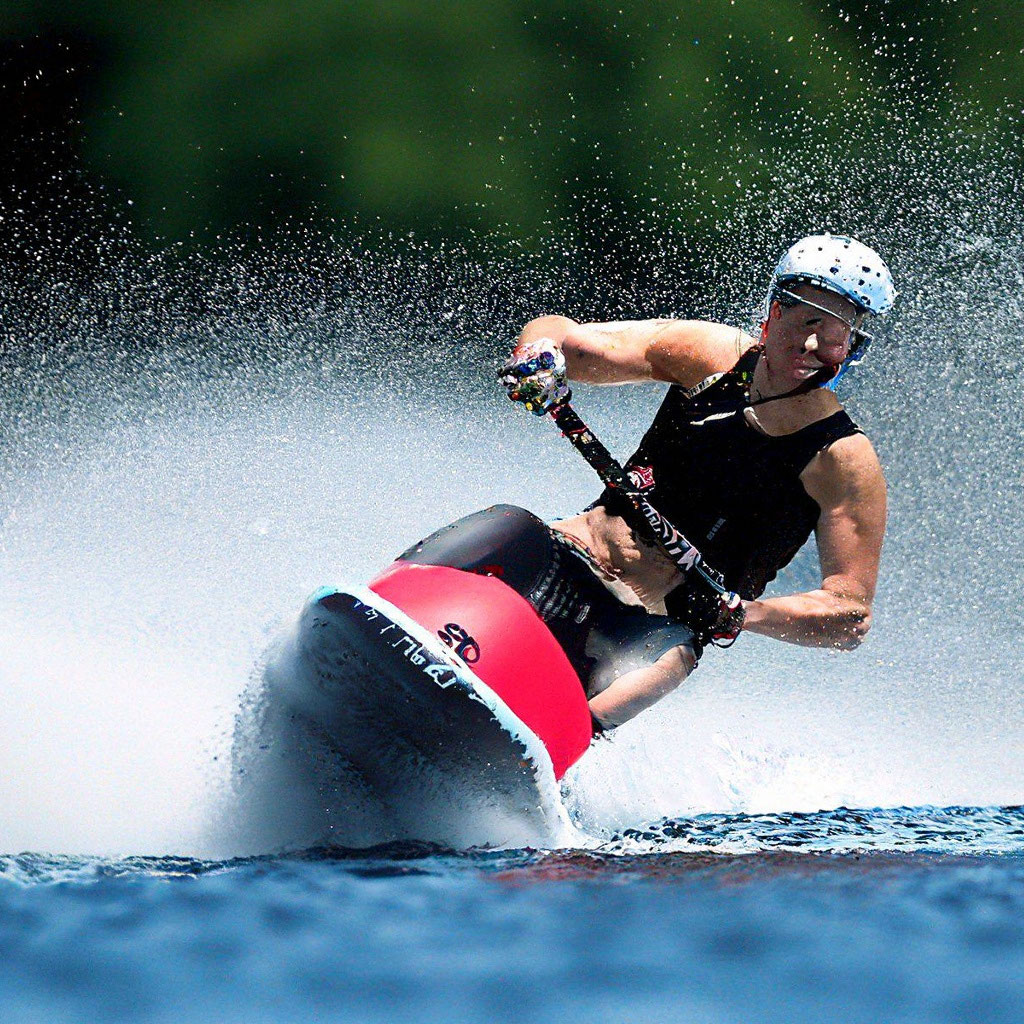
(749, 453)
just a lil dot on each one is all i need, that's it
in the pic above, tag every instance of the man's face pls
(800, 340)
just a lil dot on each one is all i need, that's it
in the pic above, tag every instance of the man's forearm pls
(819, 618)
(633, 692)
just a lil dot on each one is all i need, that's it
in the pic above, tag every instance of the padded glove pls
(535, 376)
(714, 618)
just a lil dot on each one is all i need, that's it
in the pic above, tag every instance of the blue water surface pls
(909, 915)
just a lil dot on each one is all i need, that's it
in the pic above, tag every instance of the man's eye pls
(813, 322)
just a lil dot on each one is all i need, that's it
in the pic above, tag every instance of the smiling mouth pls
(808, 371)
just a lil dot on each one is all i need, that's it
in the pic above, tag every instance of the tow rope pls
(647, 520)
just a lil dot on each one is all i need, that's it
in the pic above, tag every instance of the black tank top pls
(733, 492)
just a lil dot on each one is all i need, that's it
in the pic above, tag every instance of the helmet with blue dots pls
(841, 265)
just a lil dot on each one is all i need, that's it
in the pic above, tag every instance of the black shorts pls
(602, 637)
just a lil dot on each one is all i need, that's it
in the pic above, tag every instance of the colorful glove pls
(535, 376)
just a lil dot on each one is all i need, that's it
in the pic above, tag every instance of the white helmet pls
(838, 264)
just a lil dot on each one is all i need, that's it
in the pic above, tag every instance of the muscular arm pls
(637, 690)
(677, 351)
(847, 483)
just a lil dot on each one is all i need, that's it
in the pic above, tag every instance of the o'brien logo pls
(460, 642)
(642, 477)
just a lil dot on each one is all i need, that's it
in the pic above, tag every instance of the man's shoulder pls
(687, 351)
(848, 465)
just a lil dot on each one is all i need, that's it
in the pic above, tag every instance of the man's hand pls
(714, 618)
(535, 376)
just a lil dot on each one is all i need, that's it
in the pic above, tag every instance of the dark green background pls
(598, 127)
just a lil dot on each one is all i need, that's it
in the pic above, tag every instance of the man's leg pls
(503, 541)
(517, 548)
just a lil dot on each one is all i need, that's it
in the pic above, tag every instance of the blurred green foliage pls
(457, 118)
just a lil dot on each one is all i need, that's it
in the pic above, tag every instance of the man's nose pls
(829, 352)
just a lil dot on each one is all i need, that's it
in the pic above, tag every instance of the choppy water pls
(920, 917)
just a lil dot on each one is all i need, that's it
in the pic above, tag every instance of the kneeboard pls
(438, 751)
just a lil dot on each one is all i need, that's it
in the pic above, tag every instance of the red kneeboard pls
(505, 643)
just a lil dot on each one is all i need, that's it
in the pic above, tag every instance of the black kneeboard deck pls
(402, 737)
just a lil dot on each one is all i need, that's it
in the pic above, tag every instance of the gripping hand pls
(535, 376)
(714, 618)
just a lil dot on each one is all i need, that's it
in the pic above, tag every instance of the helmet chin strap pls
(820, 378)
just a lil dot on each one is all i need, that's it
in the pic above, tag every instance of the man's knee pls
(503, 541)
